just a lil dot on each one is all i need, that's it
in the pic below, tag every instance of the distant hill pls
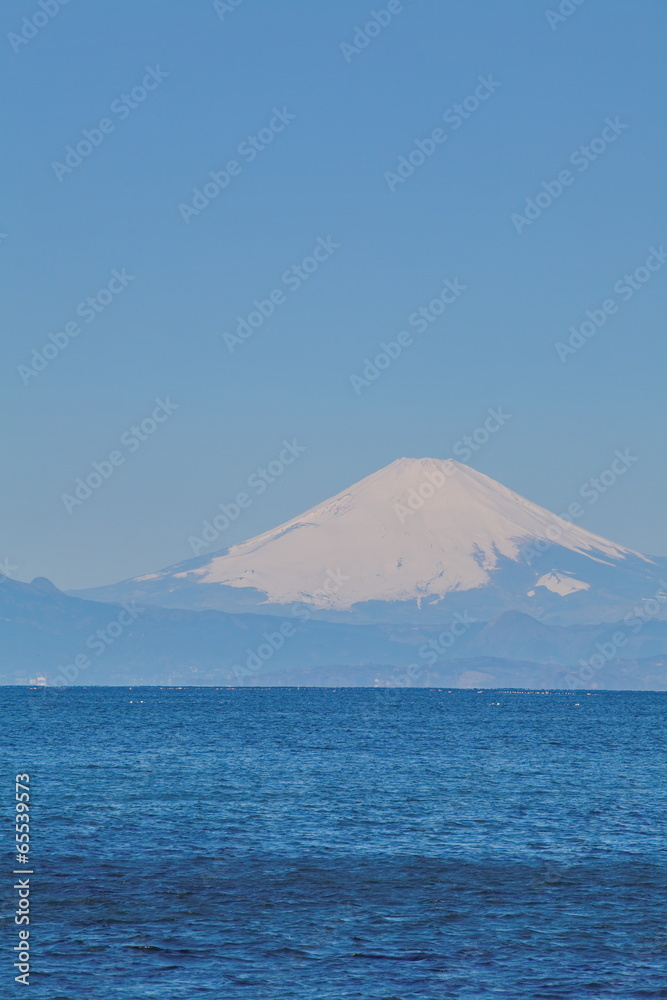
(71, 640)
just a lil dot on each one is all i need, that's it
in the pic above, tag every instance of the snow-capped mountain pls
(420, 540)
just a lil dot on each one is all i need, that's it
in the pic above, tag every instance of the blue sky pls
(345, 118)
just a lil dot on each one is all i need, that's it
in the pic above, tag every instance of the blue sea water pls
(282, 844)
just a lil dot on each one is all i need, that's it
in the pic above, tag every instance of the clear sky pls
(339, 108)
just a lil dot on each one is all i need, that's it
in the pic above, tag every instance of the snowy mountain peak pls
(418, 528)
(419, 540)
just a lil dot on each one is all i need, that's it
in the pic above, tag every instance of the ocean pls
(316, 844)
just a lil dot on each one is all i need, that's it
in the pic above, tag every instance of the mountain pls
(419, 541)
(70, 640)
(74, 641)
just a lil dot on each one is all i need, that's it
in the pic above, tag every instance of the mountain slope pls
(417, 541)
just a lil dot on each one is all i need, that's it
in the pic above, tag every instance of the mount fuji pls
(416, 542)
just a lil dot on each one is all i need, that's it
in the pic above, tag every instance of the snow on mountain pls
(417, 528)
(560, 583)
(419, 539)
